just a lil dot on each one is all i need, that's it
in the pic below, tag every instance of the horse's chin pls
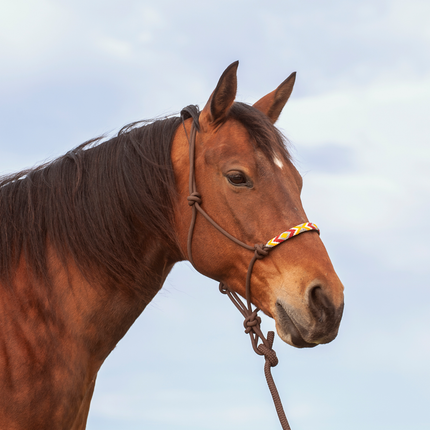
(288, 331)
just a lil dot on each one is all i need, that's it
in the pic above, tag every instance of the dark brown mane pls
(97, 203)
(92, 204)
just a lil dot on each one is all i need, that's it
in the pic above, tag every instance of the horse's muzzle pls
(309, 327)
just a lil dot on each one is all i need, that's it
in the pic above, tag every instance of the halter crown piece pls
(251, 319)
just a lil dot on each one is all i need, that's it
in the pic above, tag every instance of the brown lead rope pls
(252, 320)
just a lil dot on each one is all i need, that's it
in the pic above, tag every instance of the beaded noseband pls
(252, 320)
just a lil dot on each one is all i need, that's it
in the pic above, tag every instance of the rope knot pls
(251, 321)
(195, 197)
(260, 251)
(269, 354)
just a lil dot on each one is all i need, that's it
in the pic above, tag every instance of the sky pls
(358, 126)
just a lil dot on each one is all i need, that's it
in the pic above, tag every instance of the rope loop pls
(222, 288)
(195, 197)
(260, 251)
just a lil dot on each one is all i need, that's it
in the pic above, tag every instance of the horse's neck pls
(60, 334)
(99, 315)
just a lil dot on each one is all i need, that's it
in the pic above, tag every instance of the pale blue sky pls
(358, 122)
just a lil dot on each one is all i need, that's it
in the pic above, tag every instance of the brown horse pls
(88, 239)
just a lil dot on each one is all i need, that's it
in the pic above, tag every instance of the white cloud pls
(384, 129)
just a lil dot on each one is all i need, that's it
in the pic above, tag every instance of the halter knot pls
(260, 251)
(251, 321)
(269, 354)
(195, 197)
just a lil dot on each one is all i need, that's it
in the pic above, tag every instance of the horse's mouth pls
(288, 330)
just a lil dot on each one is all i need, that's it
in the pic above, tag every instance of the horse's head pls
(250, 187)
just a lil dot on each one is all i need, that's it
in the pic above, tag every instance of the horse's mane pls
(104, 201)
(92, 204)
(263, 133)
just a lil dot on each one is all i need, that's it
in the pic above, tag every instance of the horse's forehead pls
(233, 142)
(232, 138)
(228, 149)
(233, 131)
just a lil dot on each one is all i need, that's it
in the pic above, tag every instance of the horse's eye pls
(237, 178)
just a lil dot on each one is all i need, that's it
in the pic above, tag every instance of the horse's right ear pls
(222, 98)
(273, 103)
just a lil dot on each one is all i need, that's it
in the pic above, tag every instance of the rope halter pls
(251, 319)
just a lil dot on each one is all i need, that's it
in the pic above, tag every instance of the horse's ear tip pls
(291, 79)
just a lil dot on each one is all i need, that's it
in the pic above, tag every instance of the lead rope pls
(252, 320)
(252, 327)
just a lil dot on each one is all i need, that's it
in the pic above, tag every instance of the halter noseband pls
(252, 320)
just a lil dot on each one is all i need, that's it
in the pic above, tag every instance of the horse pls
(87, 240)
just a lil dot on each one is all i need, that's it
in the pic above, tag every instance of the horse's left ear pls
(273, 103)
(222, 98)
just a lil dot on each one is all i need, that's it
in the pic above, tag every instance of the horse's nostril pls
(319, 304)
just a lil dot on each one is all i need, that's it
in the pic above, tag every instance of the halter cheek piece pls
(251, 319)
